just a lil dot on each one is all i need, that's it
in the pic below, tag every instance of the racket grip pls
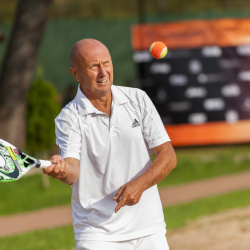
(44, 164)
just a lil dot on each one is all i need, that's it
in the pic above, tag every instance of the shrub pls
(42, 108)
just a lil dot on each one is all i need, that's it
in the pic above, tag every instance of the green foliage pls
(42, 108)
(130, 8)
(60, 35)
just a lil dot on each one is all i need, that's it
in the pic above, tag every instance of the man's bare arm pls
(165, 161)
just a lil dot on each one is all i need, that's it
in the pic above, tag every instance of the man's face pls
(93, 69)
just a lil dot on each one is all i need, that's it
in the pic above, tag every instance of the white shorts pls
(156, 241)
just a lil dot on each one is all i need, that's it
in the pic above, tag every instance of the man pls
(105, 135)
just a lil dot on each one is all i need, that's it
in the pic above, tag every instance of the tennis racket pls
(14, 163)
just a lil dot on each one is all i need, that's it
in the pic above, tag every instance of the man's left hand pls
(129, 194)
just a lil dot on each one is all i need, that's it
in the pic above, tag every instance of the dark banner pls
(202, 87)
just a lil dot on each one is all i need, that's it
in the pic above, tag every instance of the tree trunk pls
(18, 67)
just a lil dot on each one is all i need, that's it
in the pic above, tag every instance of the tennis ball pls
(158, 50)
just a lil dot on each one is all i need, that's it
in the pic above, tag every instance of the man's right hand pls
(59, 168)
(66, 170)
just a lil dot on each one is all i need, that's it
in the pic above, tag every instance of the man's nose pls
(102, 71)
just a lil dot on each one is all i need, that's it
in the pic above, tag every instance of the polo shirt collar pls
(85, 107)
(118, 97)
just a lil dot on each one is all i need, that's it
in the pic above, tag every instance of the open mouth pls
(102, 81)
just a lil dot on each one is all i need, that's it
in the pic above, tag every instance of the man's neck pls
(103, 104)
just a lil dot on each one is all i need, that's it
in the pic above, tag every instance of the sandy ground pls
(229, 230)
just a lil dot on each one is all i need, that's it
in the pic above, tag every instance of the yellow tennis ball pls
(158, 50)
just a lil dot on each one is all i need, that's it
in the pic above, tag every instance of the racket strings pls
(8, 165)
(13, 162)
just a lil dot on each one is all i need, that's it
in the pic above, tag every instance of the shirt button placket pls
(112, 126)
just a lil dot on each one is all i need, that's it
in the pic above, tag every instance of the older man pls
(106, 135)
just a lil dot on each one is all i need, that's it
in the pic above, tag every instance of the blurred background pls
(201, 90)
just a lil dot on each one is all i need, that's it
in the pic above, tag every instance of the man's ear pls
(74, 73)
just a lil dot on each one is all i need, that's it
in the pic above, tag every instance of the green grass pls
(29, 194)
(58, 238)
(180, 215)
(175, 216)
(207, 162)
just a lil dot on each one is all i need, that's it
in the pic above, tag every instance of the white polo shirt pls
(112, 151)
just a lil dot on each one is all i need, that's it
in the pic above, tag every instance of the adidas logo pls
(135, 123)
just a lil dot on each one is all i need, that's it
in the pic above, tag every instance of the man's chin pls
(105, 90)
(104, 87)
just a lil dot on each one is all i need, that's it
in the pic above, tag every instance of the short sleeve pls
(154, 131)
(68, 136)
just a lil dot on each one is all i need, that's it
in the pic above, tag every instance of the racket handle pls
(44, 164)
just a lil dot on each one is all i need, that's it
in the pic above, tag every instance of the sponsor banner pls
(203, 84)
(209, 133)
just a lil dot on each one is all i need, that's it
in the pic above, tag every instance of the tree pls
(18, 66)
